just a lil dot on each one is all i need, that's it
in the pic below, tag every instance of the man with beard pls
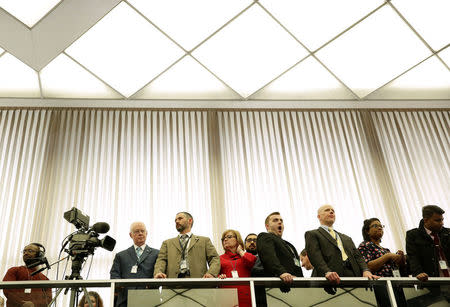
(137, 261)
(428, 250)
(187, 255)
(278, 256)
(34, 297)
(250, 243)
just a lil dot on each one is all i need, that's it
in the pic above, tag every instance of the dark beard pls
(253, 252)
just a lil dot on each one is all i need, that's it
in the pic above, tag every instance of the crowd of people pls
(328, 253)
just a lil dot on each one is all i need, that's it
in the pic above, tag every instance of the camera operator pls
(33, 254)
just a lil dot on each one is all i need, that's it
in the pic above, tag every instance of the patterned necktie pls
(440, 252)
(139, 252)
(183, 240)
(339, 243)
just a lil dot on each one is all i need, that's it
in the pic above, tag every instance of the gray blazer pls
(325, 255)
(125, 260)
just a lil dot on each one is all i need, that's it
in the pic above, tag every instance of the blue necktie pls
(139, 252)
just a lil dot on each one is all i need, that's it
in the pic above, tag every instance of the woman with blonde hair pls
(236, 263)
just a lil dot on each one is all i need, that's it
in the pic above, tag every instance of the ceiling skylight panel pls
(250, 51)
(63, 78)
(428, 80)
(17, 79)
(125, 50)
(429, 18)
(189, 22)
(316, 22)
(373, 52)
(28, 11)
(186, 80)
(307, 80)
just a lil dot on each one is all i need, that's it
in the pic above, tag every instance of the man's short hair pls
(303, 252)
(250, 234)
(266, 222)
(428, 211)
(187, 215)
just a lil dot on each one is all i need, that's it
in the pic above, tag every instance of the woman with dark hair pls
(95, 298)
(381, 261)
(236, 263)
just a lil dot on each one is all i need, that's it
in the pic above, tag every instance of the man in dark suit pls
(138, 261)
(331, 253)
(278, 256)
(428, 250)
(428, 246)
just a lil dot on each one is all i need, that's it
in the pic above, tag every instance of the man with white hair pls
(138, 261)
(333, 254)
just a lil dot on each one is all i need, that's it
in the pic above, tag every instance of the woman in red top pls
(236, 263)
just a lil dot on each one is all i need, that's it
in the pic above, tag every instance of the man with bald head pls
(333, 254)
(138, 261)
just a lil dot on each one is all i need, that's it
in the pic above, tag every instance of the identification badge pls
(297, 262)
(234, 274)
(183, 264)
(396, 273)
(27, 291)
(134, 269)
(443, 265)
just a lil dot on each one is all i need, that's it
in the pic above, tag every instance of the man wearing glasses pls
(31, 297)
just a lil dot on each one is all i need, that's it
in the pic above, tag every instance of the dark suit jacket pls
(276, 255)
(325, 255)
(125, 260)
(422, 255)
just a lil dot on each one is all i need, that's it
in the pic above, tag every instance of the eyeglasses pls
(228, 237)
(251, 240)
(377, 226)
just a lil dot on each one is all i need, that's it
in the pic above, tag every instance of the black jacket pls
(277, 255)
(422, 255)
(325, 255)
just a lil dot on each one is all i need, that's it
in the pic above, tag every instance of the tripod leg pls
(56, 296)
(86, 297)
(73, 294)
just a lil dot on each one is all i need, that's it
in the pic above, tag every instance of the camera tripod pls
(77, 262)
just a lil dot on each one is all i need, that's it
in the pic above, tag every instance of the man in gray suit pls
(331, 253)
(138, 261)
(187, 255)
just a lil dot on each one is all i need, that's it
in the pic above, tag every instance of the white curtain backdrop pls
(228, 168)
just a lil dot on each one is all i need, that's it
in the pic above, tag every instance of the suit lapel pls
(193, 241)
(132, 253)
(147, 251)
(328, 236)
(176, 243)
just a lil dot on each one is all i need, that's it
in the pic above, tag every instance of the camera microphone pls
(100, 227)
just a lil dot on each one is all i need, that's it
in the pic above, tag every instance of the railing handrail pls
(212, 282)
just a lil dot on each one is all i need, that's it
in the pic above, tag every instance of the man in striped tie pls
(333, 254)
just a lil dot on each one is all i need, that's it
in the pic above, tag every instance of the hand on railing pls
(160, 275)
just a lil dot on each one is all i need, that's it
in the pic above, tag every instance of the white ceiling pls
(138, 51)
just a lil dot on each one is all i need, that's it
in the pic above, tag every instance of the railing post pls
(111, 296)
(252, 292)
(391, 293)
